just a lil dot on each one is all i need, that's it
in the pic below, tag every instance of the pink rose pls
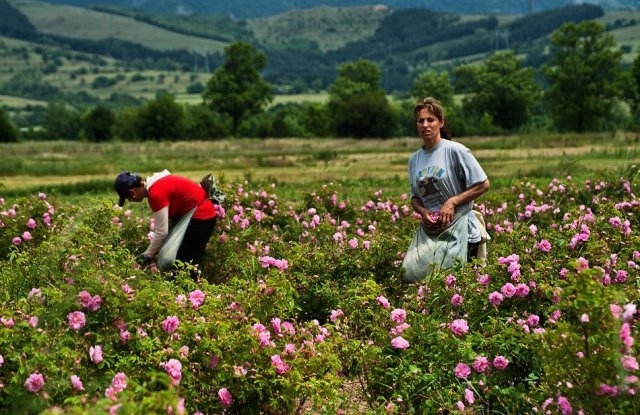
(76, 320)
(95, 354)
(383, 301)
(480, 364)
(544, 245)
(629, 363)
(522, 290)
(457, 300)
(459, 327)
(174, 369)
(500, 362)
(87, 301)
(398, 315)
(170, 324)
(76, 383)
(495, 298)
(399, 343)
(508, 290)
(335, 315)
(84, 298)
(7, 322)
(462, 371)
(279, 365)
(468, 396)
(225, 397)
(34, 382)
(196, 298)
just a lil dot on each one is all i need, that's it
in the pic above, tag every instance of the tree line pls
(583, 87)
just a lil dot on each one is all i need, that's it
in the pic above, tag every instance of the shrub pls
(302, 308)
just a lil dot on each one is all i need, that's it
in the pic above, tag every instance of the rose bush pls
(301, 308)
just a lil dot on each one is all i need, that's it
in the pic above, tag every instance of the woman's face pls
(428, 125)
(136, 194)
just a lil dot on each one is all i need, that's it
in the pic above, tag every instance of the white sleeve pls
(161, 221)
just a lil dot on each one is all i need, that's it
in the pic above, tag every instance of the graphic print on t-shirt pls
(427, 180)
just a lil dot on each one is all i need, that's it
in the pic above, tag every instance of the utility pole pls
(501, 35)
(195, 60)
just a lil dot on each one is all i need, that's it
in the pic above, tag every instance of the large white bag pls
(169, 249)
(429, 251)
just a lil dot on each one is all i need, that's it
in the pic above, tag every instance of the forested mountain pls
(119, 57)
(247, 9)
(401, 42)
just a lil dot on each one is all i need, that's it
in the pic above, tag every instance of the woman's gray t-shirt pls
(442, 172)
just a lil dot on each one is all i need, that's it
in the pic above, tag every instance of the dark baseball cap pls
(124, 182)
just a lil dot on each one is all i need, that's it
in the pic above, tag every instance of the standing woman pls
(170, 198)
(444, 179)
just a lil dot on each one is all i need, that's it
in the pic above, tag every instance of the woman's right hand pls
(431, 219)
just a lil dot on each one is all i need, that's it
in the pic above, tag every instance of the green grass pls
(79, 168)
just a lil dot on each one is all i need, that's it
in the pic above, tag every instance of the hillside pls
(80, 23)
(118, 55)
(249, 9)
(327, 28)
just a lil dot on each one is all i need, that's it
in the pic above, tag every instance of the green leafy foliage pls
(8, 132)
(237, 88)
(301, 307)
(161, 119)
(584, 76)
(501, 89)
(99, 124)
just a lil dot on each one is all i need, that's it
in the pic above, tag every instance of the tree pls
(126, 127)
(62, 122)
(584, 76)
(8, 133)
(98, 124)
(237, 88)
(204, 124)
(161, 119)
(634, 90)
(316, 120)
(365, 115)
(500, 89)
(357, 105)
(434, 84)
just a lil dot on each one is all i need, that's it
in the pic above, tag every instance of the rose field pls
(301, 309)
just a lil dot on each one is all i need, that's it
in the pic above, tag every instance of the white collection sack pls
(169, 249)
(430, 251)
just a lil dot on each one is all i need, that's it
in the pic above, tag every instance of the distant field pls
(18, 102)
(302, 161)
(318, 98)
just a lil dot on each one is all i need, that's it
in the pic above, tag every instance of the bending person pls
(170, 198)
(445, 179)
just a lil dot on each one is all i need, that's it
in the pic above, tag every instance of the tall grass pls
(70, 168)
